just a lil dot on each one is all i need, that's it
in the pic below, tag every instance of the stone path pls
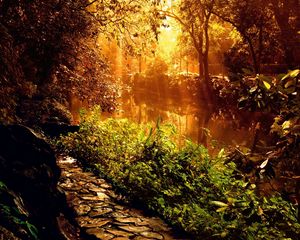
(98, 212)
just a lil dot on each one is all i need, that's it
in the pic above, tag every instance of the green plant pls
(280, 96)
(14, 216)
(185, 185)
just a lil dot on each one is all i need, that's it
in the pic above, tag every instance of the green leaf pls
(267, 85)
(221, 153)
(221, 209)
(294, 73)
(219, 203)
(32, 229)
(291, 74)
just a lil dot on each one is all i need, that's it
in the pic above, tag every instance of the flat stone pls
(81, 183)
(83, 220)
(142, 223)
(89, 174)
(113, 195)
(96, 224)
(140, 238)
(84, 191)
(70, 187)
(97, 189)
(100, 212)
(119, 214)
(99, 233)
(95, 198)
(120, 238)
(106, 186)
(82, 209)
(119, 207)
(156, 224)
(152, 235)
(134, 212)
(74, 170)
(71, 196)
(119, 233)
(98, 181)
(128, 220)
(99, 205)
(135, 229)
(102, 195)
(76, 201)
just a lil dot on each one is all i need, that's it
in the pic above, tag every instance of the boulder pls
(56, 129)
(28, 168)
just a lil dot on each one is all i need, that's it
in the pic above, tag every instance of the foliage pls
(278, 96)
(157, 68)
(48, 50)
(185, 185)
(268, 39)
(14, 216)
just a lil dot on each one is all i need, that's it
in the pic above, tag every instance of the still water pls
(189, 112)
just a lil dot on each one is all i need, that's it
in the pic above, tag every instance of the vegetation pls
(13, 215)
(48, 51)
(52, 52)
(279, 97)
(185, 185)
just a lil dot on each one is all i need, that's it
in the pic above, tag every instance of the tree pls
(54, 47)
(269, 28)
(252, 19)
(287, 17)
(194, 18)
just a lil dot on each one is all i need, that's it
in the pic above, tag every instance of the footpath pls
(99, 212)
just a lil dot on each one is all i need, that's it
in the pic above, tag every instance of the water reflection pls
(185, 109)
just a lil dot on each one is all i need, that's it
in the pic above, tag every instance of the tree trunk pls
(253, 55)
(288, 37)
(200, 64)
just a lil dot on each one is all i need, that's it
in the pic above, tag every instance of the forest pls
(149, 119)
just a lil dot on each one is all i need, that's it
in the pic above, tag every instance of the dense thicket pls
(46, 53)
(190, 189)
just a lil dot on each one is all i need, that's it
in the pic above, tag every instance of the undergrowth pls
(189, 188)
(13, 216)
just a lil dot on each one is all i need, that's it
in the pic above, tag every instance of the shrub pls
(184, 184)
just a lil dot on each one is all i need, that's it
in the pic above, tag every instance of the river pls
(180, 105)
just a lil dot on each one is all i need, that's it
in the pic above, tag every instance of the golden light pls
(167, 41)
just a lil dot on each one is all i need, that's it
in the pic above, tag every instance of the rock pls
(121, 238)
(44, 110)
(135, 229)
(99, 205)
(99, 197)
(96, 224)
(156, 224)
(7, 235)
(128, 220)
(54, 129)
(119, 233)
(106, 186)
(28, 167)
(82, 209)
(100, 212)
(119, 214)
(152, 235)
(140, 238)
(99, 234)
(96, 189)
